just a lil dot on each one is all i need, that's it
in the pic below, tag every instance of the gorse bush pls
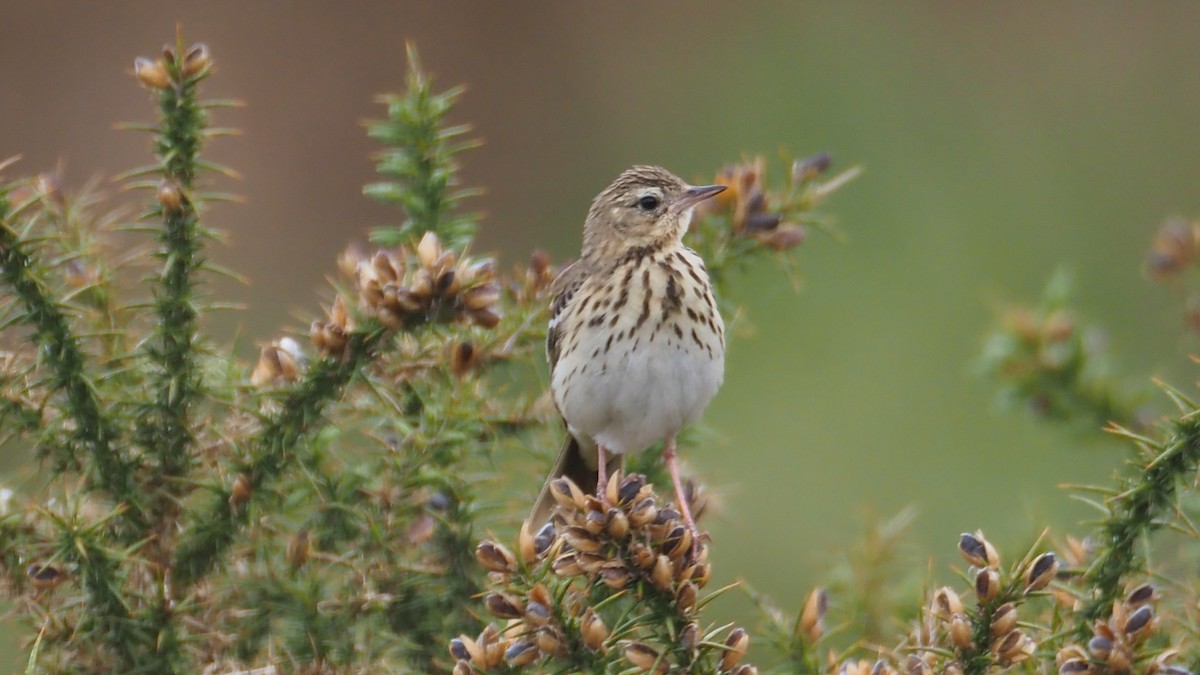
(324, 509)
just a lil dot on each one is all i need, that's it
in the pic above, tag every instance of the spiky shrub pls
(321, 509)
(318, 510)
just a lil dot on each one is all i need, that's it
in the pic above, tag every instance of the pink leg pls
(680, 497)
(602, 472)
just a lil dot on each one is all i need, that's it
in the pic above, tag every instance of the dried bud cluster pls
(1117, 643)
(1174, 248)
(280, 361)
(998, 595)
(530, 283)
(401, 287)
(169, 70)
(747, 200)
(625, 542)
(628, 537)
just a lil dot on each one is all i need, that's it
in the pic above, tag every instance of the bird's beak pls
(696, 194)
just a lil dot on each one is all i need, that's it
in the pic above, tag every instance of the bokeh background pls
(1000, 141)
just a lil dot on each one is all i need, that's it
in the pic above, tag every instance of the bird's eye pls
(648, 203)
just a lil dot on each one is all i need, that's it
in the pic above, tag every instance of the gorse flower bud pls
(1041, 572)
(494, 557)
(152, 74)
(987, 584)
(978, 551)
(197, 60)
(737, 644)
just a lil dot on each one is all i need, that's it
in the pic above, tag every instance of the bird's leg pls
(601, 472)
(680, 496)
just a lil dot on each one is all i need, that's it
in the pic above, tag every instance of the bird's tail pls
(574, 462)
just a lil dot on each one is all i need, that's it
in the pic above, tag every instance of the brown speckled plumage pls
(636, 344)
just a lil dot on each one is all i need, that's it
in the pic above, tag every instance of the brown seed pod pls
(615, 575)
(1004, 619)
(618, 524)
(1100, 647)
(1016, 650)
(697, 573)
(1006, 642)
(1139, 620)
(494, 557)
(482, 297)
(550, 641)
(591, 562)
(686, 596)
(644, 513)
(977, 550)
(543, 540)
(429, 249)
(463, 357)
(812, 617)
(593, 630)
(567, 494)
(595, 522)
(477, 653)
(987, 584)
(689, 637)
(642, 555)
(946, 603)
(521, 652)
(152, 74)
(536, 614)
(504, 606)
(678, 542)
(197, 60)
(662, 575)
(566, 565)
(525, 545)
(582, 540)
(486, 317)
(644, 656)
(169, 196)
(1141, 595)
(736, 646)
(961, 632)
(1041, 572)
(629, 488)
(458, 648)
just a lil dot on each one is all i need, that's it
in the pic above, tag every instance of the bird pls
(635, 342)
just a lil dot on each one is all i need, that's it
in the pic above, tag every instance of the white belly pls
(627, 400)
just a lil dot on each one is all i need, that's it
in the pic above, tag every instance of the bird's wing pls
(562, 290)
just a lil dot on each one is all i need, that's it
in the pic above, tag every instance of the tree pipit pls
(636, 344)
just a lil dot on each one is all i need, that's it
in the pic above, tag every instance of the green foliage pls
(420, 161)
(1046, 362)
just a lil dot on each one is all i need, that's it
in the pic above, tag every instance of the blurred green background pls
(1000, 140)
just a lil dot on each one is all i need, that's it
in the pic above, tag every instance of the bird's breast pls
(642, 351)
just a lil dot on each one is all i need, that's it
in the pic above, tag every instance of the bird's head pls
(646, 206)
